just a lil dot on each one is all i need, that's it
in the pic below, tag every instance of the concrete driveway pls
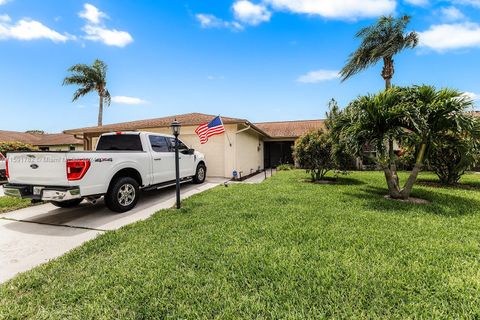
(35, 235)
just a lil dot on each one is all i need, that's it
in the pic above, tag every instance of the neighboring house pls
(245, 147)
(45, 142)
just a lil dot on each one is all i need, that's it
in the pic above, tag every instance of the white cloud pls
(451, 14)
(475, 3)
(417, 2)
(95, 30)
(472, 95)
(91, 13)
(26, 29)
(251, 13)
(336, 9)
(445, 37)
(318, 76)
(211, 21)
(3, 2)
(128, 100)
(110, 37)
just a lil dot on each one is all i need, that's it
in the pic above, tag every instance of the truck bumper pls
(42, 193)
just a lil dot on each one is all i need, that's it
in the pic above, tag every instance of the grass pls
(10, 204)
(281, 249)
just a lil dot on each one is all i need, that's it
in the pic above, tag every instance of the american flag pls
(212, 128)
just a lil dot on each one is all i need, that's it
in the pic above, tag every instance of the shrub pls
(313, 152)
(6, 147)
(451, 155)
(285, 167)
(343, 158)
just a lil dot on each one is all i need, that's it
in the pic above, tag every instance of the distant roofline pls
(286, 121)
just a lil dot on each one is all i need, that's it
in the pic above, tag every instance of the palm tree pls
(90, 78)
(382, 41)
(419, 113)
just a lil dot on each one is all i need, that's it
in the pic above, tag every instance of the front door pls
(163, 159)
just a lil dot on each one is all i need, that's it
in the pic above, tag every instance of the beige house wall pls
(249, 152)
(63, 148)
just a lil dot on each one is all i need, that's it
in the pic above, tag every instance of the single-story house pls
(44, 141)
(245, 147)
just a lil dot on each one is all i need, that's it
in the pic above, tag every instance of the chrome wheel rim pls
(126, 195)
(201, 173)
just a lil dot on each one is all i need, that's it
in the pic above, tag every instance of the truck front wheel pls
(122, 195)
(200, 174)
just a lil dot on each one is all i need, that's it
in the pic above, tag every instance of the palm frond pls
(382, 40)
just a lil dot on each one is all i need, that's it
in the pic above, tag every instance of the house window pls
(44, 149)
(72, 148)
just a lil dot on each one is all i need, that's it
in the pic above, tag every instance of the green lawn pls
(281, 249)
(10, 204)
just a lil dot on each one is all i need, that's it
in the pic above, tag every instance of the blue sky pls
(262, 60)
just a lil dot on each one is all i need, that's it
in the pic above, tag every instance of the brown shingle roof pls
(39, 139)
(188, 119)
(290, 129)
(56, 139)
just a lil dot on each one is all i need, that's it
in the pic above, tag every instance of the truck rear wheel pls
(67, 204)
(200, 174)
(122, 195)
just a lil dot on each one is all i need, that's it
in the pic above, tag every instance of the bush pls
(6, 147)
(313, 152)
(451, 155)
(343, 157)
(285, 167)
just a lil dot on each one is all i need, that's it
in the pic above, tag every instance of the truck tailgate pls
(42, 168)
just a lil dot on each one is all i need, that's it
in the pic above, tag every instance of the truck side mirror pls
(188, 151)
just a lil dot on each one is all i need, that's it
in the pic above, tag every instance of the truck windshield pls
(120, 142)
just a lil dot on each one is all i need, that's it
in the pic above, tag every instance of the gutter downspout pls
(236, 144)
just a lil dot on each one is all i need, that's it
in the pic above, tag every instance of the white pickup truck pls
(122, 165)
(3, 172)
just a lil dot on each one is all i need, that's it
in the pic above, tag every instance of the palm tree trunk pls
(388, 71)
(100, 110)
(407, 189)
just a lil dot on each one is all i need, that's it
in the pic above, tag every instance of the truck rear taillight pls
(7, 174)
(76, 169)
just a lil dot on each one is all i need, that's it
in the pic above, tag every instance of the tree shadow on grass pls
(339, 181)
(435, 183)
(441, 204)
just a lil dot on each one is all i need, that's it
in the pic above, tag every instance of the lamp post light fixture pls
(176, 132)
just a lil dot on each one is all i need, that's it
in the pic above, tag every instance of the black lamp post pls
(176, 132)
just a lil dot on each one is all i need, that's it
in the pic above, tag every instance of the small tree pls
(451, 155)
(313, 152)
(9, 146)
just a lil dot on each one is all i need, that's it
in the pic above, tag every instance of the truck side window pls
(181, 145)
(159, 144)
(120, 142)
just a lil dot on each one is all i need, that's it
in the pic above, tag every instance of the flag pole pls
(226, 133)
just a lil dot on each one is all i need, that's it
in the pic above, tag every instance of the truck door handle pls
(157, 159)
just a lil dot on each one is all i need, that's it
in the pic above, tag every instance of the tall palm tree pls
(381, 41)
(89, 79)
